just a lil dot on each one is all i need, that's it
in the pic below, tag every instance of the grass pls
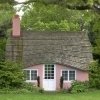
(95, 95)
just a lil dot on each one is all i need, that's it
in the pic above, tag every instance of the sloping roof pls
(67, 48)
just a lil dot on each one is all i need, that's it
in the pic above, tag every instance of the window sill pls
(68, 81)
(31, 81)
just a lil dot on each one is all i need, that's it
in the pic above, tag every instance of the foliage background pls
(51, 15)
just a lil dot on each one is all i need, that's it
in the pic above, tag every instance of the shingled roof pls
(66, 48)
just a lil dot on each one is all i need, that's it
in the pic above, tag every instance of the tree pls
(70, 4)
(40, 17)
(6, 13)
(94, 33)
(11, 75)
(95, 75)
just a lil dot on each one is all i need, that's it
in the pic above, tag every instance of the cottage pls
(50, 55)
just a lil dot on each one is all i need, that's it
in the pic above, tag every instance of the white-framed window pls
(65, 75)
(31, 75)
(69, 75)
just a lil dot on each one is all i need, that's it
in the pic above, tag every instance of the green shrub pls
(25, 88)
(78, 86)
(30, 87)
(11, 75)
(94, 75)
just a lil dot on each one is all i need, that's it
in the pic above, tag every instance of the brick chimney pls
(16, 26)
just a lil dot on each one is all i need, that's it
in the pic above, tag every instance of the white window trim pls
(30, 75)
(68, 75)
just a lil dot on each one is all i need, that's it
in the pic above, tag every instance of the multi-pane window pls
(49, 71)
(33, 74)
(68, 75)
(27, 74)
(71, 75)
(65, 75)
(30, 75)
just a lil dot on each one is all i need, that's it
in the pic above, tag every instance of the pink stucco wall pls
(80, 75)
(16, 26)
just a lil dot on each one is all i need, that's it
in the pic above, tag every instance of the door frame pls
(54, 75)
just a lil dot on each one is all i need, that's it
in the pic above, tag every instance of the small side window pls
(68, 75)
(30, 75)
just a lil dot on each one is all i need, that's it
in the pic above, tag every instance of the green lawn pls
(52, 96)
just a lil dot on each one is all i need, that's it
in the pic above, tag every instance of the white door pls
(49, 81)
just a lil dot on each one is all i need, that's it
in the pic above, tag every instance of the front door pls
(49, 81)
